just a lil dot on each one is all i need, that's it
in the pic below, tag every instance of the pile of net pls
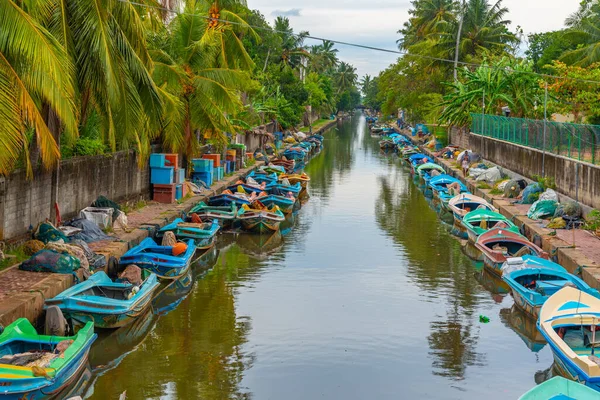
(103, 202)
(51, 261)
(95, 261)
(511, 189)
(541, 209)
(90, 232)
(31, 247)
(46, 232)
(531, 193)
(132, 274)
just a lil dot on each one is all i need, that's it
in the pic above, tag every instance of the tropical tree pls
(198, 91)
(292, 44)
(34, 70)
(428, 18)
(323, 57)
(585, 33)
(345, 77)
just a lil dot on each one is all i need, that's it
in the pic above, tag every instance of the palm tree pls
(586, 33)
(34, 69)
(484, 30)
(429, 18)
(345, 77)
(292, 44)
(199, 93)
(365, 84)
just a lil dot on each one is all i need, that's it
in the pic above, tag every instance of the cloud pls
(292, 12)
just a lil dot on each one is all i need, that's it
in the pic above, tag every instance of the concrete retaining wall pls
(578, 180)
(25, 203)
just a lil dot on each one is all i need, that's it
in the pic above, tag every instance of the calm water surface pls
(366, 295)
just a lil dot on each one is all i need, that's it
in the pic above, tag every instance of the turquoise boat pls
(260, 221)
(439, 186)
(56, 373)
(160, 259)
(203, 234)
(480, 221)
(424, 171)
(224, 215)
(533, 280)
(263, 177)
(228, 200)
(570, 323)
(282, 190)
(285, 204)
(246, 188)
(106, 303)
(559, 388)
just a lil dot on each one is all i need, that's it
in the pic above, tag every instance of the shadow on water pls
(524, 326)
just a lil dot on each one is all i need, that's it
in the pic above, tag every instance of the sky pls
(376, 22)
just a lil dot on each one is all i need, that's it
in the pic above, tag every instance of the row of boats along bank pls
(562, 307)
(151, 278)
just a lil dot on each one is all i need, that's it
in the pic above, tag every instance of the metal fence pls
(578, 141)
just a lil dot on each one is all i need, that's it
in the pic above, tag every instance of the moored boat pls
(445, 187)
(285, 203)
(224, 215)
(229, 200)
(203, 233)
(106, 303)
(478, 222)
(260, 220)
(35, 366)
(160, 259)
(533, 280)
(464, 203)
(302, 178)
(424, 171)
(282, 189)
(497, 245)
(569, 321)
(559, 388)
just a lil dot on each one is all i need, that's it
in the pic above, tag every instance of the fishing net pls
(512, 189)
(541, 209)
(531, 193)
(169, 239)
(570, 208)
(90, 232)
(95, 260)
(46, 232)
(51, 261)
(32, 246)
(132, 274)
(557, 223)
(71, 250)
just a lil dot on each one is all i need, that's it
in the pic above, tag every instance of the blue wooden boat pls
(533, 280)
(203, 234)
(56, 374)
(282, 190)
(424, 171)
(106, 303)
(260, 220)
(262, 177)
(224, 215)
(240, 187)
(415, 160)
(228, 200)
(570, 321)
(285, 204)
(559, 388)
(439, 185)
(160, 259)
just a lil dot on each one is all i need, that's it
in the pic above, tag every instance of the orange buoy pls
(179, 248)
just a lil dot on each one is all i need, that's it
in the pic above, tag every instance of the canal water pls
(364, 295)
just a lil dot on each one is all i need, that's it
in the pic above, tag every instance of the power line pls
(361, 46)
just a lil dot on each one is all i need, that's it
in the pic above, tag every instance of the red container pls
(215, 157)
(172, 160)
(249, 156)
(164, 193)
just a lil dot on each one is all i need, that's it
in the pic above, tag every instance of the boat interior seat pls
(111, 293)
(550, 287)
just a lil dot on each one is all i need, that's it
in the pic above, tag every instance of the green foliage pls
(546, 47)
(16, 254)
(545, 182)
(592, 221)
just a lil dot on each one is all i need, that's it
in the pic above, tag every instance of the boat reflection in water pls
(113, 346)
(544, 375)
(496, 286)
(524, 326)
(260, 246)
(171, 295)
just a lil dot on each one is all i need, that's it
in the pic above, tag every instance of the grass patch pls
(14, 256)
(483, 185)
(108, 230)
(592, 221)
(131, 206)
(496, 191)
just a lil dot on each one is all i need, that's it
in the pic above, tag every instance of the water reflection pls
(524, 326)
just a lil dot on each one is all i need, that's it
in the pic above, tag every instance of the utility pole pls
(544, 140)
(460, 25)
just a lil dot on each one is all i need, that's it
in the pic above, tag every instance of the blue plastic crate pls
(231, 166)
(178, 192)
(219, 173)
(180, 175)
(157, 160)
(206, 177)
(162, 176)
(202, 165)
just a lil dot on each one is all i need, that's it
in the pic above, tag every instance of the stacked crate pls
(203, 171)
(166, 177)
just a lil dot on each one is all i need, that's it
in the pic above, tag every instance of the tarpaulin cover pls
(541, 209)
(90, 232)
(103, 202)
(529, 193)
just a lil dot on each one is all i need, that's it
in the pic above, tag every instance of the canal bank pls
(367, 296)
(22, 293)
(576, 250)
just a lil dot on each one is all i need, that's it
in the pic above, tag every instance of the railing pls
(578, 141)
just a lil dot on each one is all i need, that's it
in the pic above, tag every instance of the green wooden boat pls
(225, 215)
(559, 388)
(480, 221)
